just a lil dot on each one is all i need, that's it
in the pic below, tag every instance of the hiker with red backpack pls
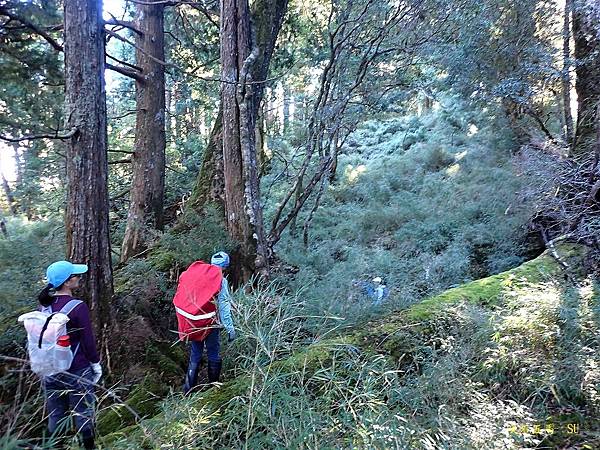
(202, 305)
(62, 351)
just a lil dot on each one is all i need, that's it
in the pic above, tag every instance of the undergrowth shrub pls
(442, 212)
(24, 256)
(195, 237)
(467, 377)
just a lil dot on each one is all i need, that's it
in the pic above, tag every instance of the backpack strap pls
(44, 329)
(67, 309)
(192, 317)
(70, 306)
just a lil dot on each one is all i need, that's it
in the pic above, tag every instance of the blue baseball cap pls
(220, 259)
(60, 271)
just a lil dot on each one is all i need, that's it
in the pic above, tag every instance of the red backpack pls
(194, 300)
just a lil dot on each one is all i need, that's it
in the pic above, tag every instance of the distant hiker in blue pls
(72, 390)
(380, 292)
(211, 342)
(375, 290)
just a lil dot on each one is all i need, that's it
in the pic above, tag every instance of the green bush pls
(442, 212)
(194, 238)
(24, 256)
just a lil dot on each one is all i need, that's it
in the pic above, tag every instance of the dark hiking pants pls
(70, 395)
(213, 347)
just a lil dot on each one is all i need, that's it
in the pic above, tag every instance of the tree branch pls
(121, 38)
(66, 135)
(32, 27)
(166, 3)
(123, 23)
(121, 151)
(123, 71)
(125, 63)
(121, 116)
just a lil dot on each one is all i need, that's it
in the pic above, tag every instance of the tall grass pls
(470, 377)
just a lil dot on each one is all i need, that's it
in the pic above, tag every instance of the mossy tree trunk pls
(210, 187)
(243, 213)
(587, 54)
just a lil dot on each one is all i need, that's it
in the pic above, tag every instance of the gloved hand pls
(231, 334)
(97, 372)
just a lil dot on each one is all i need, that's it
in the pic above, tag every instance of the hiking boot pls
(191, 377)
(88, 443)
(214, 370)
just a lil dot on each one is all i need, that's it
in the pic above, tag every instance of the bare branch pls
(57, 135)
(121, 116)
(122, 23)
(123, 71)
(156, 60)
(125, 63)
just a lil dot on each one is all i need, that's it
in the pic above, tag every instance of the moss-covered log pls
(395, 336)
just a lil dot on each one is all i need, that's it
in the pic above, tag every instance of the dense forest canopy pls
(321, 144)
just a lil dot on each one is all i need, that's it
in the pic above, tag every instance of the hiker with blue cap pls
(72, 389)
(200, 326)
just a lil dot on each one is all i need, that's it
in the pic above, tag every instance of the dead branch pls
(125, 63)
(153, 58)
(124, 71)
(122, 23)
(57, 135)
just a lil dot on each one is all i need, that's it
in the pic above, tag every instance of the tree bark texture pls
(148, 182)
(267, 18)
(87, 228)
(235, 48)
(566, 78)
(587, 54)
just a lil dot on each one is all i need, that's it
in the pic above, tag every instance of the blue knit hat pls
(60, 271)
(220, 259)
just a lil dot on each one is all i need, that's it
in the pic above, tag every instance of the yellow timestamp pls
(545, 428)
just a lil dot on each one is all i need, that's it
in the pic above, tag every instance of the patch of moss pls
(490, 290)
(143, 399)
(168, 359)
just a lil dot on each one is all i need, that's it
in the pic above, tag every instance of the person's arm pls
(87, 344)
(224, 306)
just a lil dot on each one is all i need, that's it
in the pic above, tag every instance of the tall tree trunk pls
(9, 196)
(18, 165)
(566, 78)
(87, 228)
(148, 183)
(587, 53)
(235, 52)
(264, 161)
(267, 18)
(209, 186)
(286, 107)
(168, 112)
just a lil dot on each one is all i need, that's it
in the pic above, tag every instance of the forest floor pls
(508, 361)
